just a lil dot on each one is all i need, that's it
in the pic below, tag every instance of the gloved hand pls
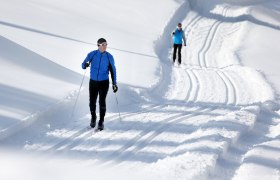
(185, 44)
(115, 88)
(86, 65)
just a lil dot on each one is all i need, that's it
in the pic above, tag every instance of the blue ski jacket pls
(178, 35)
(101, 64)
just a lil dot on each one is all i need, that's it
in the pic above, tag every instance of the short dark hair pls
(100, 41)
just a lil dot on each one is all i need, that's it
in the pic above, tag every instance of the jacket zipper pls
(99, 66)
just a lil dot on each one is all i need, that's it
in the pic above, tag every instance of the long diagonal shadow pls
(68, 38)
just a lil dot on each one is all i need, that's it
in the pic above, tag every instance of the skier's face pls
(102, 47)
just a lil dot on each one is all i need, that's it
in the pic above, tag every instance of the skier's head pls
(102, 44)
(100, 41)
(179, 25)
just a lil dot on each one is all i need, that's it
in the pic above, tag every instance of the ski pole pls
(78, 94)
(118, 107)
(186, 52)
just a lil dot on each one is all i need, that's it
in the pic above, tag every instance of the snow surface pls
(217, 116)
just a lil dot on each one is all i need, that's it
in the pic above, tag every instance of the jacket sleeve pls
(112, 69)
(88, 58)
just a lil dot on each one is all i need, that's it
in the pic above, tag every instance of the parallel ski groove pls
(187, 98)
(140, 135)
(149, 139)
(198, 85)
(194, 88)
(209, 40)
(116, 132)
(188, 28)
(232, 84)
(178, 118)
(74, 136)
(226, 86)
(185, 86)
(207, 44)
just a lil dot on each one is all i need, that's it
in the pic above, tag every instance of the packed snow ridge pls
(216, 116)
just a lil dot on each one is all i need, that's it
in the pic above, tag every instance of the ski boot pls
(100, 125)
(93, 120)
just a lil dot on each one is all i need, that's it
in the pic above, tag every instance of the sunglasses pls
(103, 44)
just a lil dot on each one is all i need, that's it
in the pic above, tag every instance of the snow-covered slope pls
(30, 84)
(215, 117)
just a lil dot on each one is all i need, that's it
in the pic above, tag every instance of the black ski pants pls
(98, 88)
(175, 47)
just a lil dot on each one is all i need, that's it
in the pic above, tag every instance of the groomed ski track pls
(209, 105)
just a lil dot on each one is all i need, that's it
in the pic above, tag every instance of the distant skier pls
(101, 63)
(178, 36)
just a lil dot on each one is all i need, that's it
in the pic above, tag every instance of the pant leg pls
(103, 91)
(93, 93)
(179, 53)
(175, 46)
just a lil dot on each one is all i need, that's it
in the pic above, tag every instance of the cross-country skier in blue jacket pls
(101, 63)
(178, 36)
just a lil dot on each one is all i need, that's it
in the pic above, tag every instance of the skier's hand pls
(86, 65)
(185, 44)
(115, 88)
